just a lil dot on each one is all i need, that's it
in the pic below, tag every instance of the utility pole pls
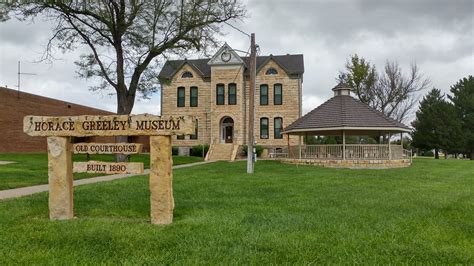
(250, 142)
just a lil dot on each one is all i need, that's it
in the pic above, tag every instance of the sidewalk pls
(24, 191)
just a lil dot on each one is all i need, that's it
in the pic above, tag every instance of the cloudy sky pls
(436, 34)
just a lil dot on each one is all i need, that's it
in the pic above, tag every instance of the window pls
(232, 91)
(181, 95)
(277, 94)
(180, 137)
(220, 94)
(187, 74)
(193, 99)
(271, 71)
(278, 127)
(264, 94)
(196, 128)
(264, 128)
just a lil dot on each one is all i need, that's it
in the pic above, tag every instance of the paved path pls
(5, 162)
(24, 191)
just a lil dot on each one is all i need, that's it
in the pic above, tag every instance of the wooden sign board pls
(107, 168)
(108, 125)
(107, 148)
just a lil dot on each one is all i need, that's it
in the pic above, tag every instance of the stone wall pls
(227, 75)
(211, 115)
(289, 110)
(14, 106)
(169, 104)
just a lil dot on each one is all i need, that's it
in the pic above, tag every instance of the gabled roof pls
(292, 64)
(235, 59)
(172, 66)
(345, 112)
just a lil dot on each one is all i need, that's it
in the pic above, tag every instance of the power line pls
(232, 26)
(237, 29)
(242, 66)
(241, 51)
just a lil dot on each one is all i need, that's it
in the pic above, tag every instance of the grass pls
(282, 214)
(32, 169)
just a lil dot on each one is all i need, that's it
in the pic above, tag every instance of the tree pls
(463, 100)
(362, 77)
(437, 125)
(391, 92)
(126, 38)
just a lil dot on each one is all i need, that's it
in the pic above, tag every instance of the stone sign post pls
(58, 131)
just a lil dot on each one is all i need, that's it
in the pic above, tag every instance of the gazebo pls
(344, 116)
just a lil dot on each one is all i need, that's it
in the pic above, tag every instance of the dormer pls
(225, 56)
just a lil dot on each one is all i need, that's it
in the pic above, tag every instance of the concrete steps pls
(222, 152)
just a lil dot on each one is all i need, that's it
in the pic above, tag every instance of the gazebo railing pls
(320, 151)
(353, 152)
(367, 151)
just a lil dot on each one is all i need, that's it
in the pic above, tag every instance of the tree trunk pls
(120, 157)
(472, 155)
(124, 107)
(436, 154)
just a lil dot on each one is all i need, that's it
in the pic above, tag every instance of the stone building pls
(216, 91)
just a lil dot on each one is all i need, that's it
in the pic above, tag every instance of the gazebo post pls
(288, 141)
(299, 147)
(401, 139)
(343, 144)
(389, 148)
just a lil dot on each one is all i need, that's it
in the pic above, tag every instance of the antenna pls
(19, 75)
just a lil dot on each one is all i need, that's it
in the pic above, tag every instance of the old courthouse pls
(216, 91)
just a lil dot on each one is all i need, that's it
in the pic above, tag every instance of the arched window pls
(277, 94)
(187, 74)
(232, 94)
(196, 129)
(220, 98)
(181, 96)
(264, 94)
(193, 96)
(264, 128)
(277, 127)
(271, 71)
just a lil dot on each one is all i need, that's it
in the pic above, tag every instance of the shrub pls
(174, 151)
(427, 153)
(258, 149)
(197, 150)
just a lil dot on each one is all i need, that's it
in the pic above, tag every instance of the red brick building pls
(15, 105)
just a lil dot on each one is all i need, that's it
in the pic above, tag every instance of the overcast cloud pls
(436, 34)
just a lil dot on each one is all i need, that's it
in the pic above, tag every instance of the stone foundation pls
(369, 164)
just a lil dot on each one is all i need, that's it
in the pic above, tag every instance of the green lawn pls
(282, 214)
(32, 169)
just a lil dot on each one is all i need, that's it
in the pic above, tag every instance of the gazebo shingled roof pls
(344, 112)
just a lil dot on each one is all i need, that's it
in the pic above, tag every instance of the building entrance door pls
(227, 130)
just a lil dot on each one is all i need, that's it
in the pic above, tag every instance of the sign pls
(107, 148)
(58, 131)
(108, 125)
(107, 168)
